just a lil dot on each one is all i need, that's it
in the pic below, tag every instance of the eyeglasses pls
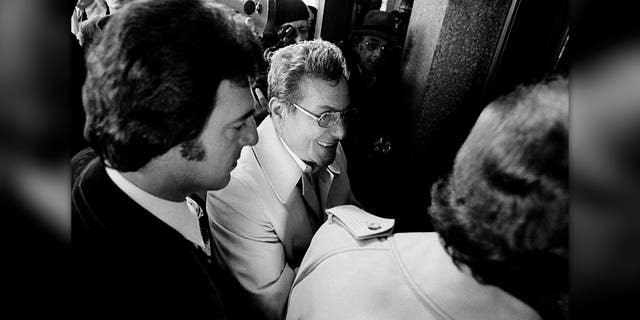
(326, 119)
(373, 46)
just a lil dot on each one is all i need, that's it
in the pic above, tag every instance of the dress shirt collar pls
(178, 215)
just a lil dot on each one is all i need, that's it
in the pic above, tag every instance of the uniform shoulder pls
(347, 228)
(359, 224)
(348, 225)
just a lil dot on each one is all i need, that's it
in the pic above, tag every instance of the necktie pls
(207, 261)
(197, 204)
(309, 190)
(312, 196)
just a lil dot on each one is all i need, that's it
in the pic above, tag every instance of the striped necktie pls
(197, 204)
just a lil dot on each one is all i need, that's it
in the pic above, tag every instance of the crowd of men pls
(185, 205)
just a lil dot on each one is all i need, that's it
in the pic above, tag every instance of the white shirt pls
(178, 215)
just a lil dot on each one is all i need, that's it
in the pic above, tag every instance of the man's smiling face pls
(312, 143)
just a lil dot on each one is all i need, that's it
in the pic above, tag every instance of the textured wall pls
(449, 50)
(461, 61)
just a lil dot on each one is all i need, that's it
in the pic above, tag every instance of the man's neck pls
(367, 77)
(161, 185)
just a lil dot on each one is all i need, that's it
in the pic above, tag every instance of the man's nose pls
(377, 52)
(250, 138)
(339, 130)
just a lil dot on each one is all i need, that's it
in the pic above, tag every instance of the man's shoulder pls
(98, 205)
(245, 194)
(247, 179)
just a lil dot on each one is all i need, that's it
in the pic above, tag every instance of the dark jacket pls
(377, 139)
(127, 261)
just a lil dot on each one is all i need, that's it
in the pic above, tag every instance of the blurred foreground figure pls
(168, 111)
(501, 247)
(605, 181)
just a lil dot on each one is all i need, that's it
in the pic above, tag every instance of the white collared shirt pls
(178, 215)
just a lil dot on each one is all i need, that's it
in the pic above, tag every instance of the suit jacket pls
(260, 223)
(384, 276)
(127, 261)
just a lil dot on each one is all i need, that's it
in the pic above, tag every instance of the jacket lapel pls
(281, 170)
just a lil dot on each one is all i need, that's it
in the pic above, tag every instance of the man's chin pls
(327, 158)
(371, 67)
(220, 183)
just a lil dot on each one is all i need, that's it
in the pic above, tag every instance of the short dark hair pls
(316, 59)
(153, 77)
(503, 211)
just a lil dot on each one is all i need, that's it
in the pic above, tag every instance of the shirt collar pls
(178, 215)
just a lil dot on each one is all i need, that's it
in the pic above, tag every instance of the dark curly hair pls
(503, 211)
(153, 76)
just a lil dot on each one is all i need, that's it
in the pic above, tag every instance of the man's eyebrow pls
(247, 115)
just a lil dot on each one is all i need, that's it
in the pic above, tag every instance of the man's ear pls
(277, 108)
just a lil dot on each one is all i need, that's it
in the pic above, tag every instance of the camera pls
(287, 35)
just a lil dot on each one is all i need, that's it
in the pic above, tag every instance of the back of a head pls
(503, 211)
(153, 77)
(313, 59)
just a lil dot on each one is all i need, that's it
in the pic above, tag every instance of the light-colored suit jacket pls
(260, 223)
(354, 269)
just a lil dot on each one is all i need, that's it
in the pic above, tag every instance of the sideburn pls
(193, 150)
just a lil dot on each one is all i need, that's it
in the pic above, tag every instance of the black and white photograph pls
(320, 159)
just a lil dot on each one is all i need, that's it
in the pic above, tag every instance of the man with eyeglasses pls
(264, 220)
(290, 25)
(378, 135)
(374, 44)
